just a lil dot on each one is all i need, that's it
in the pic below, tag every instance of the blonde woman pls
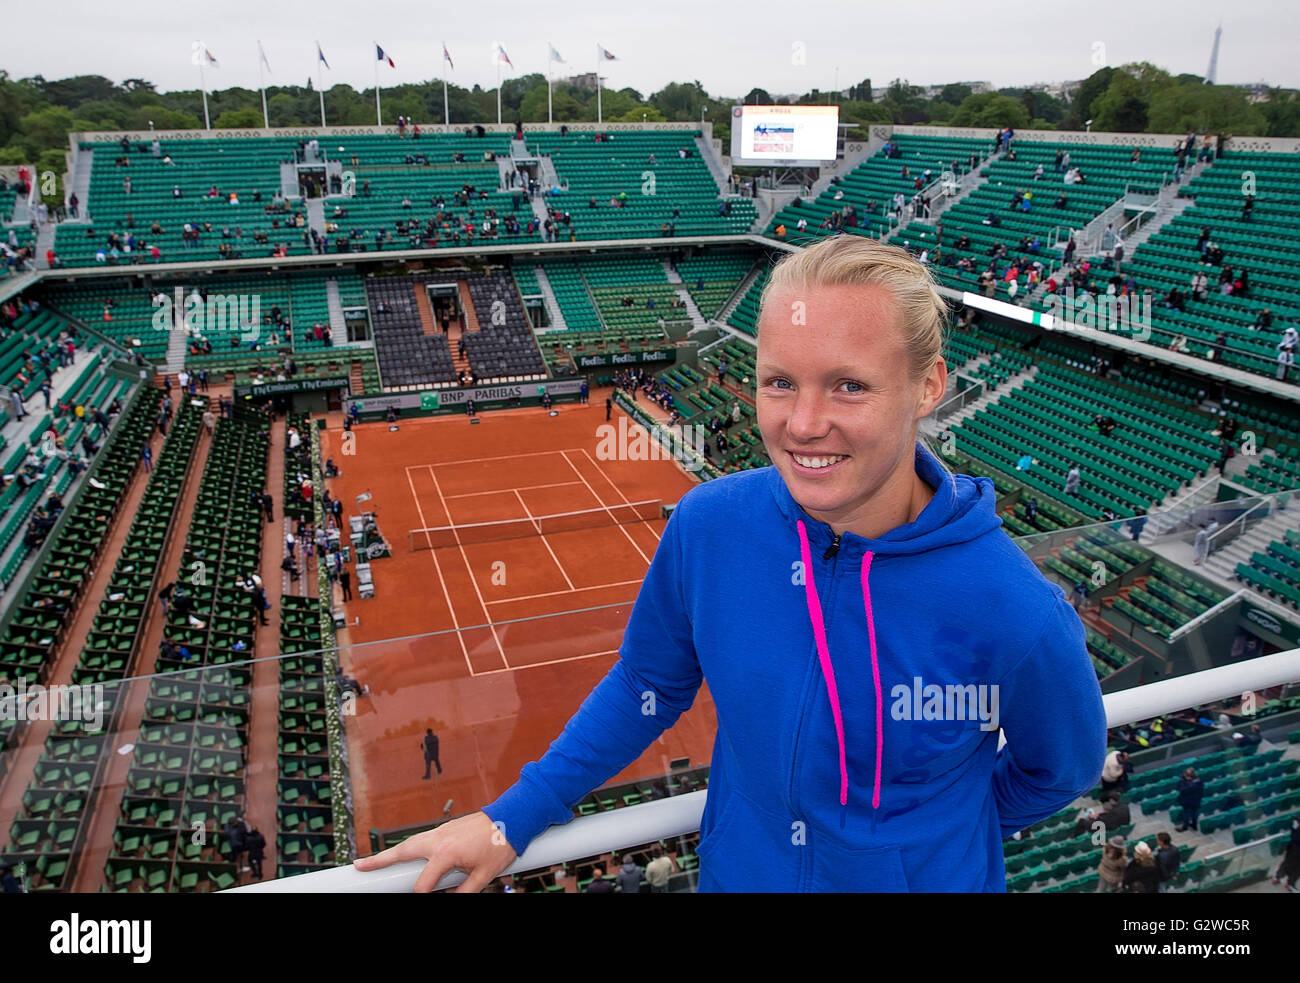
(864, 624)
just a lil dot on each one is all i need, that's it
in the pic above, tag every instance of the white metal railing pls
(675, 816)
(1238, 525)
(1207, 615)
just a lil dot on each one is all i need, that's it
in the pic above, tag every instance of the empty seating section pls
(33, 335)
(632, 294)
(188, 767)
(73, 759)
(745, 316)
(621, 170)
(1161, 601)
(712, 277)
(92, 389)
(1276, 572)
(1264, 247)
(1155, 450)
(876, 180)
(126, 315)
(396, 194)
(243, 167)
(408, 358)
(503, 349)
(591, 295)
(115, 633)
(304, 817)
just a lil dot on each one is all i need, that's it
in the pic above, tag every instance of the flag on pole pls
(321, 55)
(555, 56)
(607, 55)
(499, 55)
(211, 58)
(262, 54)
(447, 54)
(380, 56)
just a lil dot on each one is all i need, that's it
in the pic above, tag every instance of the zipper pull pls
(834, 548)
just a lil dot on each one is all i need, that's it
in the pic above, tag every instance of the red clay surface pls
(495, 689)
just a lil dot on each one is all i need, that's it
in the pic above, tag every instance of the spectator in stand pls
(1141, 875)
(1190, 791)
(1110, 872)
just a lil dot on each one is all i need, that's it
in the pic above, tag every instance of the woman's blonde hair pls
(847, 260)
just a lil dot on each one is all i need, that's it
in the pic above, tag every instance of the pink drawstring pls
(828, 669)
(875, 674)
(824, 655)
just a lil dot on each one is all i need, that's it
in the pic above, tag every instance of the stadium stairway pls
(705, 149)
(44, 242)
(175, 351)
(316, 214)
(742, 291)
(539, 208)
(552, 305)
(338, 324)
(697, 319)
(1222, 563)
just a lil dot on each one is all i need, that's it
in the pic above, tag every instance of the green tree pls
(239, 119)
(989, 109)
(1081, 106)
(1122, 108)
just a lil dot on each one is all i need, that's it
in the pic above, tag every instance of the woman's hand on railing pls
(472, 844)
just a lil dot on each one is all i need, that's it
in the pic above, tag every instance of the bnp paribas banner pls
(625, 358)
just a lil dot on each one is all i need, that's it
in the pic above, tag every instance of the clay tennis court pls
(517, 554)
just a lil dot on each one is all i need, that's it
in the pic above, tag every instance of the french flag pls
(379, 54)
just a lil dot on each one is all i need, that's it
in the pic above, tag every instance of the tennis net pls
(444, 537)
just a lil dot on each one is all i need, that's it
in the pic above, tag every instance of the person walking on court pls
(583, 392)
(609, 406)
(345, 581)
(430, 746)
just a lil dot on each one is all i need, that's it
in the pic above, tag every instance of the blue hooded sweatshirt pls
(859, 687)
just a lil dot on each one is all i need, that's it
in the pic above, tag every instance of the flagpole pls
(379, 119)
(599, 117)
(446, 116)
(320, 91)
(549, 121)
(207, 124)
(261, 81)
(498, 88)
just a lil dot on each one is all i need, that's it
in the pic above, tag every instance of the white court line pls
(476, 460)
(619, 490)
(438, 567)
(505, 491)
(542, 536)
(552, 662)
(601, 501)
(470, 570)
(576, 590)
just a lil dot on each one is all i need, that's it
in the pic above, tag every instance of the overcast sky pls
(728, 47)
